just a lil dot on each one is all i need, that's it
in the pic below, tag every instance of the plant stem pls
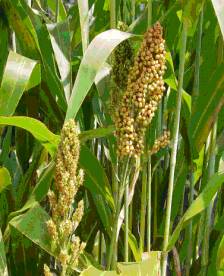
(133, 9)
(149, 211)
(126, 214)
(174, 145)
(57, 11)
(149, 13)
(197, 62)
(208, 213)
(112, 250)
(112, 14)
(143, 204)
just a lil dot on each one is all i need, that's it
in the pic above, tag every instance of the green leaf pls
(208, 104)
(102, 207)
(32, 224)
(96, 133)
(61, 44)
(198, 205)
(83, 6)
(3, 264)
(22, 26)
(150, 266)
(5, 179)
(219, 10)
(20, 74)
(48, 139)
(39, 191)
(95, 171)
(95, 56)
(45, 49)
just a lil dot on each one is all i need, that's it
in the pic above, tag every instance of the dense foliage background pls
(57, 62)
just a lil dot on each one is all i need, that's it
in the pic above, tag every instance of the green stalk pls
(133, 10)
(126, 214)
(149, 210)
(197, 62)
(113, 22)
(149, 13)
(113, 244)
(208, 213)
(174, 146)
(57, 11)
(143, 205)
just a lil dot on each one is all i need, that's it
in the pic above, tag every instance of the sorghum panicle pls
(65, 219)
(161, 142)
(144, 91)
(121, 61)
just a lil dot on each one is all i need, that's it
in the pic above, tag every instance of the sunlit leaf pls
(95, 56)
(20, 74)
(36, 128)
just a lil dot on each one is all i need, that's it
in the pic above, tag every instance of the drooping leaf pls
(95, 56)
(148, 267)
(198, 205)
(20, 74)
(48, 139)
(5, 179)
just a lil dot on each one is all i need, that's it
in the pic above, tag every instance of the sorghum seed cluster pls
(161, 142)
(65, 219)
(121, 62)
(144, 91)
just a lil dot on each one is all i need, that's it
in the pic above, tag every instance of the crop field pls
(111, 137)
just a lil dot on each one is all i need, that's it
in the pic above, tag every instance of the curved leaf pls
(21, 73)
(198, 205)
(95, 56)
(48, 139)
